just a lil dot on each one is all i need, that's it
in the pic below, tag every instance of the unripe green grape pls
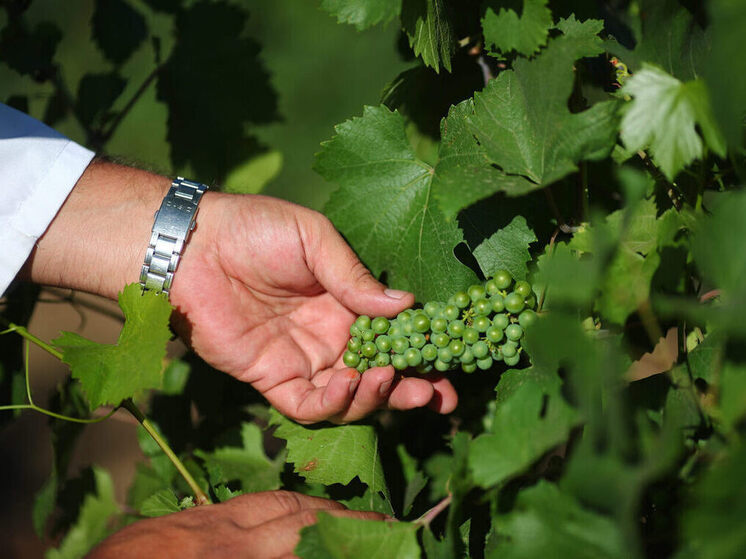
(470, 336)
(429, 352)
(531, 301)
(369, 349)
(380, 325)
(395, 329)
(425, 368)
(417, 340)
(383, 359)
(350, 359)
(383, 343)
(482, 307)
(354, 344)
(527, 318)
(457, 347)
(413, 357)
(456, 328)
(467, 356)
(420, 322)
(476, 292)
(440, 339)
(494, 334)
(368, 335)
(461, 299)
(404, 316)
(362, 366)
(451, 312)
(438, 324)
(510, 361)
(481, 323)
(514, 332)
(500, 321)
(508, 349)
(468, 367)
(491, 287)
(498, 303)
(431, 308)
(502, 279)
(480, 349)
(441, 366)
(445, 355)
(496, 354)
(485, 363)
(407, 328)
(523, 288)
(399, 362)
(399, 344)
(363, 322)
(514, 302)
(355, 332)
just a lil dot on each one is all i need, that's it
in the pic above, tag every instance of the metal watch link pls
(174, 221)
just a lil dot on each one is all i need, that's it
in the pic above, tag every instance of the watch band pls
(174, 222)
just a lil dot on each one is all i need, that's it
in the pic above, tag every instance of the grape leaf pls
(347, 538)
(117, 28)
(522, 121)
(92, 524)
(146, 483)
(429, 31)
(224, 493)
(96, 95)
(732, 398)
(507, 249)
(548, 523)
(331, 455)
(159, 504)
(506, 31)
(111, 373)
(526, 425)
(663, 116)
(384, 206)
(30, 51)
(44, 503)
(249, 463)
(363, 13)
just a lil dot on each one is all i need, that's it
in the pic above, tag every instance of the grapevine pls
(474, 329)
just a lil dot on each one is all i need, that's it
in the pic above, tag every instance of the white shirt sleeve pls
(38, 169)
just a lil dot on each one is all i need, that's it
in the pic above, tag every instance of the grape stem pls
(430, 515)
(200, 496)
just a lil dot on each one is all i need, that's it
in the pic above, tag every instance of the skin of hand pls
(257, 526)
(266, 291)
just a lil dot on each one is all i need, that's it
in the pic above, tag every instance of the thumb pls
(340, 272)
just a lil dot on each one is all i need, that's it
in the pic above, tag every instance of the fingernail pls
(385, 387)
(394, 293)
(353, 384)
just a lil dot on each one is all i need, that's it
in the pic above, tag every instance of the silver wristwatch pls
(174, 222)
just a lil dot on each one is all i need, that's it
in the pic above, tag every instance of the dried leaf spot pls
(311, 465)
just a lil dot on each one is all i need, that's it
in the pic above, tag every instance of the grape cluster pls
(474, 329)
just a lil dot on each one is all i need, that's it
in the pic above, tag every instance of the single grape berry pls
(399, 362)
(527, 318)
(445, 355)
(467, 356)
(468, 367)
(480, 349)
(502, 279)
(514, 302)
(417, 340)
(457, 347)
(476, 292)
(513, 360)
(363, 322)
(514, 332)
(523, 288)
(470, 336)
(485, 363)
(355, 332)
(456, 328)
(380, 325)
(396, 330)
(350, 359)
(383, 343)
(429, 352)
(440, 339)
(383, 359)
(413, 357)
(461, 300)
(451, 312)
(501, 321)
(481, 323)
(420, 322)
(431, 308)
(494, 334)
(354, 344)
(404, 316)
(491, 287)
(508, 349)
(369, 349)
(498, 303)
(399, 344)
(482, 307)
(441, 365)
(438, 324)
(368, 335)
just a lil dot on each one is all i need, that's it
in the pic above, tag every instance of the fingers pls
(342, 274)
(432, 391)
(371, 394)
(257, 508)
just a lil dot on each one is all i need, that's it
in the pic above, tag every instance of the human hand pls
(259, 525)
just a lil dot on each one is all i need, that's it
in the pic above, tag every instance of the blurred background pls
(237, 93)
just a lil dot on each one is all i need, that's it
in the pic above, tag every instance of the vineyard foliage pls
(595, 149)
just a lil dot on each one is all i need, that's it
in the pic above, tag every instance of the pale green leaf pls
(663, 117)
(351, 538)
(506, 31)
(44, 503)
(362, 13)
(111, 373)
(249, 464)
(335, 454)
(429, 31)
(385, 208)
(225, 493)
(507, 249)
(159, 504)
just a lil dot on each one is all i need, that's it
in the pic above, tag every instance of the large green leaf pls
(351, 538)
(117, 28)
(506, 31)
(111, 373)
(385, 208)
(430, 32)
(363, 13)
(507, 249)
(664, 115)
(335, 454)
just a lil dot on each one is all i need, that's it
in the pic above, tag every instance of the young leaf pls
(331, 455)
(507, 249)
(430, 31)
(161, 503)
(335, 538)
(225, 493)
(663, 117)
(248, 464)
(92, 524)
(96, 95)
(111, 373)
(117, 28)
(506, 31)
(362, 13)
(385, 209)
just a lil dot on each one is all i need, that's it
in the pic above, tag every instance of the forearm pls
(97, 240)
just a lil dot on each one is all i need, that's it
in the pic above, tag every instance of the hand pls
(267, 290)
(260, 526)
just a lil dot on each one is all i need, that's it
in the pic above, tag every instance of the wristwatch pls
(174, 221)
